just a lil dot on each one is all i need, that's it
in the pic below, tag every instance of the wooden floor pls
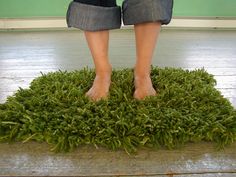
(23, 54)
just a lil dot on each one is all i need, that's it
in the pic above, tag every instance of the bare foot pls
(100, 87)
(143, 87)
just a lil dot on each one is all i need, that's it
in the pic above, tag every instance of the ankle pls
(142, 80)
(104, 71)
(141, 74)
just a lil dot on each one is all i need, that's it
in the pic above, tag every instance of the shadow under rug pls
(187, 108)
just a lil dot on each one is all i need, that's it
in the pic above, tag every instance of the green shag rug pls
(54, 110)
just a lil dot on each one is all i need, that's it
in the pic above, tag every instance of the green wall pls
(57, 8)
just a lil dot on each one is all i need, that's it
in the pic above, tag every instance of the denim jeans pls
(104, 3)
(95, 15)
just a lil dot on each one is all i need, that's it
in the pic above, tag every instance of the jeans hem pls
(93, 18)
(141, 11)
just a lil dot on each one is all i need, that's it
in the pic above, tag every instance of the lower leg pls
(146, 35)
(98, 43)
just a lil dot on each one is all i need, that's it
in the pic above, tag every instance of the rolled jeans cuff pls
(93, 18)
(140, 11)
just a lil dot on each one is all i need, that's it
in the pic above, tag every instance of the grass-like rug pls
(54, 109)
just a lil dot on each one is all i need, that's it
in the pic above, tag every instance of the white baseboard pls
(32, 23)
(10, 23)
(203, 23)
